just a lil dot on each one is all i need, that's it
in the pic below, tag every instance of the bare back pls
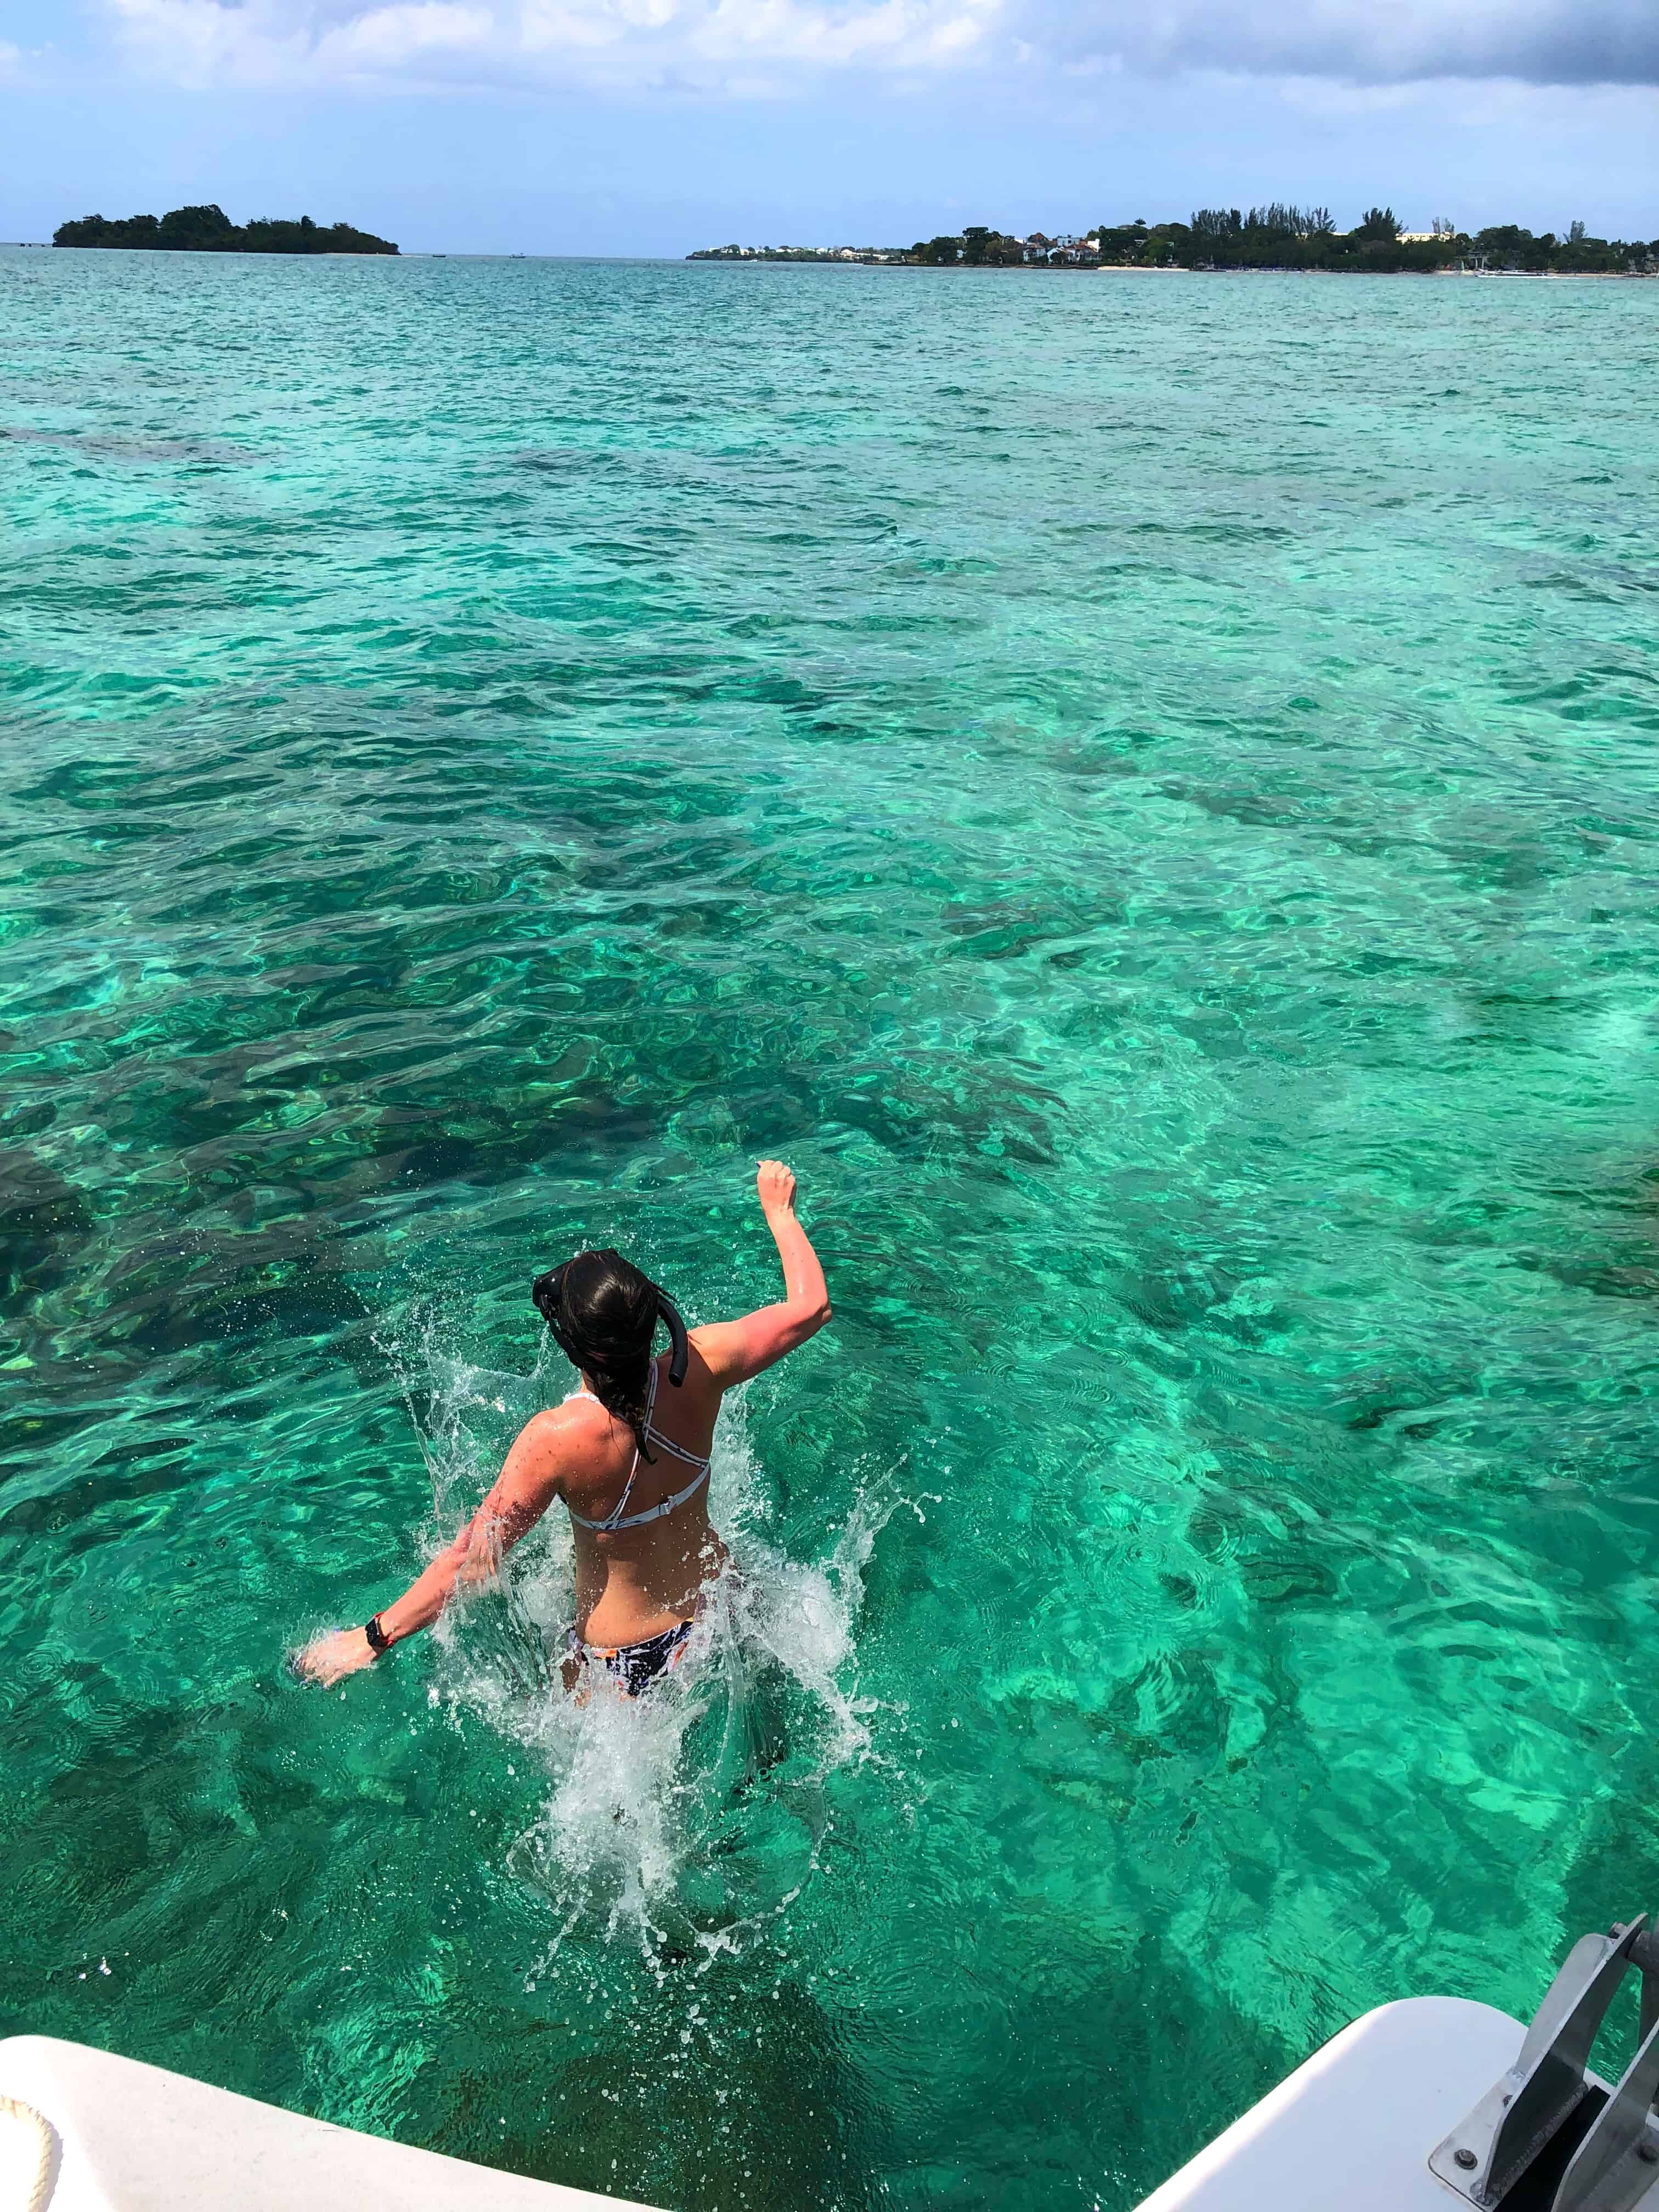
(632, 1583)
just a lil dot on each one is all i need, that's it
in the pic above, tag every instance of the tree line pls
(1277, 235)
(1281, 236)
(209, 230)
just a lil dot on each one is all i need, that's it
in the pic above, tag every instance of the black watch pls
(379, 1641)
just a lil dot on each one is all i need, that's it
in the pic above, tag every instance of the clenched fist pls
(774, 1186)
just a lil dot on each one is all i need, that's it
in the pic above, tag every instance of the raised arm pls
(529, 1481)
(735, 1350)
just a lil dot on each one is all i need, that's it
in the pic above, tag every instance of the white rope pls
(28, 2157)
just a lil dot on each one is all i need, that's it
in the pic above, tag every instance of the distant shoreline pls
(209, 229)
(1173, 269)
(1277, 235)
(248, 252)
(827, 261)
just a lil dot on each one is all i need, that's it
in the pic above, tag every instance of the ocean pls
(1144, 793)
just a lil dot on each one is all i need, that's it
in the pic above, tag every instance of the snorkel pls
(547, 1295)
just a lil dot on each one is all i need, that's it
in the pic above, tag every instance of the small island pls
(210, 230)
(1275, 236)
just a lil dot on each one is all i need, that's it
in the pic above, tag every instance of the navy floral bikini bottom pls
(636, 1666)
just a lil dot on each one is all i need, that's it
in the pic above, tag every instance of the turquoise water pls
(1144, 792)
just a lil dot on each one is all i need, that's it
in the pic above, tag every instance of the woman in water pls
(628, 1457)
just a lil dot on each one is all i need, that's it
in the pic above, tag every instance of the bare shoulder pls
(558, 1430)
(710, 1348)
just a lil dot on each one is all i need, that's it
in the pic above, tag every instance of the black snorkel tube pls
(545, 1295)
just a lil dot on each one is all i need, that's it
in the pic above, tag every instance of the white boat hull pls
(112, 2134)
(1353, 2126)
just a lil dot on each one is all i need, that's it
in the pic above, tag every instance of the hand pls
(480, 1548)
(332, 1657)
(775, 1188)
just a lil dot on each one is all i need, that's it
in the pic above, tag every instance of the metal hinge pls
(1550, 2114)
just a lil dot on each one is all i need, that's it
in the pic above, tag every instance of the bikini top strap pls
(657, 1512)
(678, 1452)
(619, 1517)
(701, 1461)
(614, 1519)
(611, 1525)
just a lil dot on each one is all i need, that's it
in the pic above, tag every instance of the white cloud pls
(694, 42)
(1540, 41)
(271, 42)
(390, 38)
(749, 44)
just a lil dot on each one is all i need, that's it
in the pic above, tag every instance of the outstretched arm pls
(528, 1483)
(735, 1350)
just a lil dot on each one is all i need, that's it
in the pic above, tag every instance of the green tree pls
(197, 230)
(1217, 226)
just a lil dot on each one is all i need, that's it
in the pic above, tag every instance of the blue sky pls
(650, 126)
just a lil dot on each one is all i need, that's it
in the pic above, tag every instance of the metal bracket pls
(1488, 2151)
(1617, 2162)
(1644, 1954)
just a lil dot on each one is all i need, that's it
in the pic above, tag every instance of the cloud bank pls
(766, 44)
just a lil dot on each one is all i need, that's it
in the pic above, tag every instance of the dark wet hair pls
(603, 1313)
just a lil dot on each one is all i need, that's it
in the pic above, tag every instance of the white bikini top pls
(617, 1518)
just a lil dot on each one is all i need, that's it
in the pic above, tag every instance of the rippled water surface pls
(1144, 790)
